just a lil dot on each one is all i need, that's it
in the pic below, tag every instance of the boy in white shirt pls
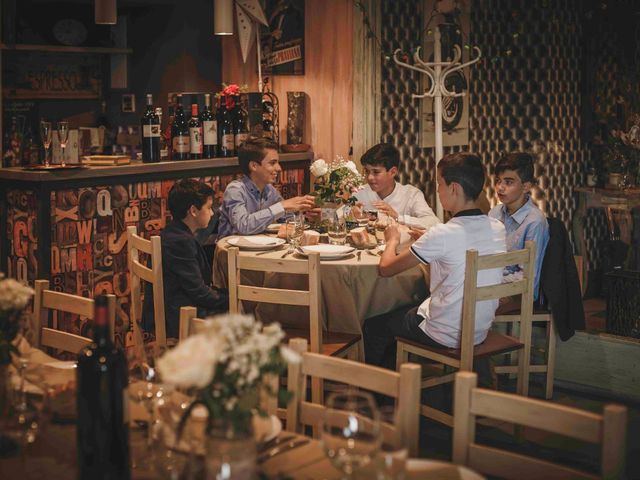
(437, 321)
(404, 203)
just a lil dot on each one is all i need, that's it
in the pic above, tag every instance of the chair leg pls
(551, 359)
(402, 356)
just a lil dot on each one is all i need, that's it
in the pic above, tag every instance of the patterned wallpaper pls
(529, 100)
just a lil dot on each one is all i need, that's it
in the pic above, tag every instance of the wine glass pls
(350, 430)
(337, 230)
(63, 136)
(381, 225)
(295, 230)
(45, 136)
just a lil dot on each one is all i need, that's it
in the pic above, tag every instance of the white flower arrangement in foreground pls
(337, 181)
(14, 298)
(227, 362)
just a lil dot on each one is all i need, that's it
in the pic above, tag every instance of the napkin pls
(255, 241)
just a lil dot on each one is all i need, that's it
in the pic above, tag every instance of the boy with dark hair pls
(522, 219)
(383, 193)
(251, 203)
(185, 269)
(437, 321)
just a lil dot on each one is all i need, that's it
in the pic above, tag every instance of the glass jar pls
(231, 451)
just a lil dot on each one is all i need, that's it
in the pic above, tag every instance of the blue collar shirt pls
(528, 223)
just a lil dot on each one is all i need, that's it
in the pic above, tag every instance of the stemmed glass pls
(45, 135)
(63, 136)
(350, 430)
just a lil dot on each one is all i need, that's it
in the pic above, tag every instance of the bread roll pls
(310, 237)
(282, 231)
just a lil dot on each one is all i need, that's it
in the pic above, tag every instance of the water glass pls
(382, 222)
(337, 231)
(392, 458)
(350, 430)
(295, 230)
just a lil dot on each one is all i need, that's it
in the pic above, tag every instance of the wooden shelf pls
(65, 49)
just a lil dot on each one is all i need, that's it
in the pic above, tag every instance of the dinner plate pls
(328, 251)
(255, 242)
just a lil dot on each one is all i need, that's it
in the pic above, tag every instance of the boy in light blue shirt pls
(522, 219)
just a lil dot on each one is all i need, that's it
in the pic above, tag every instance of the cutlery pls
(359, 254)
(274, 442)
(268, 251)
(282, 448)
(288, 252)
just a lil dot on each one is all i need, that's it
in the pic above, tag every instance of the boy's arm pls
(539, 233)
(390, 263)
(420, 213)
(246, 223)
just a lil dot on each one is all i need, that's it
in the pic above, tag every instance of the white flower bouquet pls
(226, 364)
(336, 182)
(14, 298)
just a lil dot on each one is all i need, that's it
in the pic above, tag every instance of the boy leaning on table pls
(437, 320)
(522, 219)
(383, 193)
(251, 203)
(186, 271)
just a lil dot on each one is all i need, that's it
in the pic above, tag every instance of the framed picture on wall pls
(283, 42)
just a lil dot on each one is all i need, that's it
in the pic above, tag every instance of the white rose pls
(191, 363)
(352, 166)
(319, 168)
(289, 355)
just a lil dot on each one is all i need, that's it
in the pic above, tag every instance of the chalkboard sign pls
(35, 75)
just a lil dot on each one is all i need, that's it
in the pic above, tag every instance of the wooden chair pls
(608, 429)
(404, 386)
(189, 323)
(328, 343)
(462, 358)
(509, 314)
(153, 275)
(46, 300)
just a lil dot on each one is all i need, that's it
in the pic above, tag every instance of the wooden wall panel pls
(327, 80)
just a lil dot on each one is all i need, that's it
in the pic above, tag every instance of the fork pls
(282, 448)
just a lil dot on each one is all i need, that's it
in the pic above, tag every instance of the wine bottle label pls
(241, 137)
(195, 135)
(151, 131)
(228, 141)
(181, 144)
(210, 129)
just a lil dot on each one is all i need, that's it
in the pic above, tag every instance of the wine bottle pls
(209, 130)
(150, 128)
(195, 133)
(164, 151)
(180, 134)
(227, 136)
(241, 130)
(102, 430)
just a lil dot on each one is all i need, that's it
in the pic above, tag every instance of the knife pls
(274, 442)
(282, 448)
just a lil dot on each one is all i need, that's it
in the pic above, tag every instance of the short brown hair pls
(465, 169)
(185, 193)
(519, 162)
(254, 149)
(383, 154)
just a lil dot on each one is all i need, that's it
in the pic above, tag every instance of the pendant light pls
(105, 12)
(223, 17)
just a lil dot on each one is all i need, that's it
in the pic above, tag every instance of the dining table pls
(352, 289)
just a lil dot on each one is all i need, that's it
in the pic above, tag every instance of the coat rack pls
(437, 72)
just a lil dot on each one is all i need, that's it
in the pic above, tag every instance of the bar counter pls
(69, 226)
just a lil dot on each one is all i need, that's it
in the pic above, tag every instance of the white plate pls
(255, 242)
(273, 228)
(328, 251)
(62, 365)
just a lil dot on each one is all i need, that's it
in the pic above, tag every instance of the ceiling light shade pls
(223, 17)
(106, 12)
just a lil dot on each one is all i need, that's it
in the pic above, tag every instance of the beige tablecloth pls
(352, 289)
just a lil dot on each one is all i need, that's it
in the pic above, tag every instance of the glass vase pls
(231, 451)
(8, 446)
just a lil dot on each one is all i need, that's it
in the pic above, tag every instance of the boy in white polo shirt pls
(437, 321)
(383, 193)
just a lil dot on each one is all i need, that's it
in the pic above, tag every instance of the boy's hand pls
(386, 209)
(313, 215)
(415, 233)
(392, 233)
(299, 204)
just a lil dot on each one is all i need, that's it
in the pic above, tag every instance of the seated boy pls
(383, 193)
(522, 219)
(251, 203)
(186, 272)
(437, 321)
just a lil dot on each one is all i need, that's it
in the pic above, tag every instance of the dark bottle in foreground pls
(180, 147)
(227, 135)
(150, 129)
(103, 434)
(209, 130)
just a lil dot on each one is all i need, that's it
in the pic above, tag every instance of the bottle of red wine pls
(195, 133)
(227, 136)
(150, 128)
(241, 129)
(102, 430)
(180, 134)
(209, 130)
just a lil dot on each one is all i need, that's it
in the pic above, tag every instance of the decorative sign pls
(35, 75)
(283, 42)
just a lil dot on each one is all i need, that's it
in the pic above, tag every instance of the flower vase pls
(231, 451)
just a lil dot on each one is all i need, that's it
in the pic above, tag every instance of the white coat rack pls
(437, 72)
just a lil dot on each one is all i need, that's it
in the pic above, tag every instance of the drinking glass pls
(45, 136)
(350, 430)
(392, 458)
(337, 231)
(295, 230)
(63, 136)
(381, 225)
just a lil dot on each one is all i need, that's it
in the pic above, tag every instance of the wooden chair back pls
(608, 429)
(46, 300)
(189, 323)
(309, 298)
(404, 386)
(153, 275)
